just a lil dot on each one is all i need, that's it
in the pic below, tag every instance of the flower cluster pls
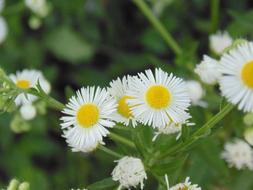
(158, 99)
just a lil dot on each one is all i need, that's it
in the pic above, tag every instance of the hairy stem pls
(110, 152)
(214, 15)
(158, 26)
(122, 140)
(199, 133)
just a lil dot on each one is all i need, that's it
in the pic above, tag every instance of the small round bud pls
(13, 184)
(248, 135)
(28, 111)
(248, 119)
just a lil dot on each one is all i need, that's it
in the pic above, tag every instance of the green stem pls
(199, 133)
(214, 15)
(109, 151)
(121, 140)
(158, 26)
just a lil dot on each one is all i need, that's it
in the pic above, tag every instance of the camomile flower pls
(196, 92)
(236, 83)
(172, 128)
(28, 111)
(86, 117)
(185, 186)
(118, 89)
(29, 79)
(3, 29)
(238, 154)
(158, 99)
(208, 70)
(220, 41)
(129, 172)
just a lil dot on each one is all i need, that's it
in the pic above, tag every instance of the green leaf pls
(107, 183)
(65, 44)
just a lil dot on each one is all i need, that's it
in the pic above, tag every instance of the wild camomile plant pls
(148, 122)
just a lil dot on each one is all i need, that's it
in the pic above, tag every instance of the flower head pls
(118, 89)
(39, 7)
(220, 41)
(238, 154)
(185, 186)
(158, 99)
(29, 79)
(86, 117)
(236, 83)
(129, 172)
(208, 70)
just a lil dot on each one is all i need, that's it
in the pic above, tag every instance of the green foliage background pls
(90, 42)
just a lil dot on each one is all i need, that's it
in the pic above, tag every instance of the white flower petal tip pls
(208, 70)
(173, 128)
(220, 41)
(29, 79)
(186, 185)
(87, 117)
(238, 154)
(236, 83)
(118, 90)
(129, 172)
(158, 99)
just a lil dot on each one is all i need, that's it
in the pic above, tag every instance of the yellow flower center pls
(24, 84)
(183, 188)
(247, 74)
(158, 97)
(88, 115)
(123, 107)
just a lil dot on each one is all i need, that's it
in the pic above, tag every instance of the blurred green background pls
(90, 42)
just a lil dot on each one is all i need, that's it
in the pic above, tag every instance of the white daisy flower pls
(28, 111)
(208, 70)
(185, 186)
(118, 89)
(3, 30)
(87, 115)
(172, 128)
(129, 172)
(220, 41)
(2, 3)
(248, 135)
(196, 92)
(158, 99)
(236, 84)
(29, 79)
(238, 154)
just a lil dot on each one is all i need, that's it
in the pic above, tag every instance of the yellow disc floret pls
(88, 115)
(123, 107)
(247, 74)
(183, 188)
(24, 84)
(158, 96)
